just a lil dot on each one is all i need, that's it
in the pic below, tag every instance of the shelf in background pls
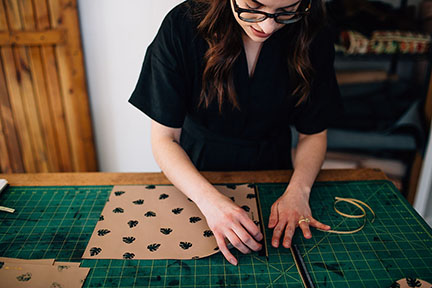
(381, 57)
(364, 76)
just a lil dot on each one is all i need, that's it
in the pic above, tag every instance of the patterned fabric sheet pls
(41, 273)
(159, 222)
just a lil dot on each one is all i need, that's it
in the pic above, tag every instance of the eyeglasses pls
(254, 16)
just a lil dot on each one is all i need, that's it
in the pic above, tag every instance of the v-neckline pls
(252, 76)
(254, 61)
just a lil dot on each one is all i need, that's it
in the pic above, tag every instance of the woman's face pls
(261, 31)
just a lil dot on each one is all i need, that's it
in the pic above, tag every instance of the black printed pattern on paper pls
(166, 231)
(185, 245)
(128, 255)
(129, 240)
(118, 210)
(103, 232)
(132, 223)
(150, 214)
(246, 208)
(95, 251)
(177, 210)
(56, 285)
(153, 247)
(24, 277)
(62, 267)
(194, 219)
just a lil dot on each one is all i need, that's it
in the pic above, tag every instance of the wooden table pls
(98, 178)
(57, 212)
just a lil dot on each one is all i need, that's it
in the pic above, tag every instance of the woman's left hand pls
(285, 215)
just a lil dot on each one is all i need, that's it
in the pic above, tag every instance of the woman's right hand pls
(225, 219)
(229, 221)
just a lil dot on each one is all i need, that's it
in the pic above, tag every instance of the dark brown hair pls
(223, 34)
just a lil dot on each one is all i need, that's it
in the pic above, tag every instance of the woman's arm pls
(224, 218)
(294, 203)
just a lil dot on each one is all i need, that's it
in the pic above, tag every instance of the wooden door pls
(45, 123)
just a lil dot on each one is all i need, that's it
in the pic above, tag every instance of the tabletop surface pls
(98, 178)
(56, 221)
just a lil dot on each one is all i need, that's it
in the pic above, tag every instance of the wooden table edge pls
(106, 178)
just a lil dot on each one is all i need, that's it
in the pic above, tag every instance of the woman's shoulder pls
(321, 49)
(181, 18)
(322, 35)
(324, 39)
(178, 28)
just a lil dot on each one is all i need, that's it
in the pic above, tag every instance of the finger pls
(251, 227)
(274, 217)
(224, 249)
(246, 238)
(304, 226)
(315, 223)
(236, 242)
(289, 232)
(277, 233)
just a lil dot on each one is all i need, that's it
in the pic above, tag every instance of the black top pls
(257, 137)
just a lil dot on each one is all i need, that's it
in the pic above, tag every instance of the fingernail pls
(275, 244)
(233, 261)
(260, 237)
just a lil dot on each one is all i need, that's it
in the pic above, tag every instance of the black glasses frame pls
(275, 16)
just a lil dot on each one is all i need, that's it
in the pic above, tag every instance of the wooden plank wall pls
(45, 123)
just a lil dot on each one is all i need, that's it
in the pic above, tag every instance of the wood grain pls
(32, 38)
(5, 165)
(41, 101)
(98, 178)
(53, 93)
(26, 85)
(13, 151)
(13, 79)
(74, 89)
(44, 109)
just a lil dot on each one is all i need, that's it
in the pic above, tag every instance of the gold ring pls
(303, 219)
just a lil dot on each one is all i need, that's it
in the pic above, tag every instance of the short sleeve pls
(162, 85)
(324, 105)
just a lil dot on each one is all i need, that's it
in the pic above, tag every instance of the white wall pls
(423, 200)
(115, 36)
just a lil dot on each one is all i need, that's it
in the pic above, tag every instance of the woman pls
(223, 81)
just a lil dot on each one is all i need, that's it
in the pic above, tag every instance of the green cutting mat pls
(57, 222)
